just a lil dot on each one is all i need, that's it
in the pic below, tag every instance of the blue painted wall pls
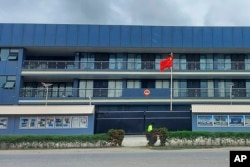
(14, 121)
(139, 93)
(11, 68)
(123, 36)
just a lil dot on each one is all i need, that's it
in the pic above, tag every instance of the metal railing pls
(134, 66)
(119, 93)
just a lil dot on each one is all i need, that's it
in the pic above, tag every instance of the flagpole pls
(164, 64)
(171, 89)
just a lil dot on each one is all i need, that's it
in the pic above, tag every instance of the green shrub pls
(154, 134)
(152, 137)
(163, 132)
(116, 136)
(52, 138)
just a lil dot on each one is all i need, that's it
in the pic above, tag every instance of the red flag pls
(166, 63)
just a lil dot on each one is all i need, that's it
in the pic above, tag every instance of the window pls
(101, 61)
(4, 53)
(238, 61)
(116, 61)
(57, 89)
(193, 61)
(9, 54)
(87, 61)
(134, 62)
(147, 61)
(147, 83)
(193, 86)
(133, 84)
(3, 122)
(162, 84)
(9, 85)
(114, 88)
(222, 61)
(13, 54)
(100, 88)
(7, 82)
(86, 88)
(61, 89)
(206, 62)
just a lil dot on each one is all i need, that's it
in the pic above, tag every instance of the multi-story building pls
(81, 79)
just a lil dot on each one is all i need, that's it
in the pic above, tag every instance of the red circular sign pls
(146, 92)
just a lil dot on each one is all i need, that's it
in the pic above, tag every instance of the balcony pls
(132, 66)
(135, 93)
(93, 93)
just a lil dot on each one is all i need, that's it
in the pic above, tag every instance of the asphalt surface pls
(133, 153)
(116, 157)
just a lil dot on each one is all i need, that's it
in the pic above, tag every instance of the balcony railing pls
(133, 66)
(136, 93)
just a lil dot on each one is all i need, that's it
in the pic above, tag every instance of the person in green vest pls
(150, 127)
(149, 132)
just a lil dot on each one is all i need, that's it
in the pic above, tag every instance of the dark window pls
(100, 88)
(101, 61)
(147, 83)
(239, 88)
(238, 62)
(193, 61)
(147, 61)
(193, 86)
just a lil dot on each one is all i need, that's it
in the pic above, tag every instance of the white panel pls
(84, 62)
(210, 85)
(68, 90)
(138, 62)
(165, 84)
(130, 62)
(161, 84)
(130, 84)
(175, 89)
(221, 86)
(89, 86)
(38, 110)
(247, 62)
(111, 88)
(82, 88)
(248, 88)
(112, 61)
(196, 108)
(158, 84)
(118, 88)
(157, 62)
(41, 91)
(54, 90)
(61, 90)
(137, 84)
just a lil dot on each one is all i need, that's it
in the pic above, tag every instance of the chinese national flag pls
(166, 63)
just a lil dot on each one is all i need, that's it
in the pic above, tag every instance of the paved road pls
(116, 157)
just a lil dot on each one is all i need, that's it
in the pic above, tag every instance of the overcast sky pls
(128, 12)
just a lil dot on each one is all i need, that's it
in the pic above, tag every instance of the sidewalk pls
(135, 141)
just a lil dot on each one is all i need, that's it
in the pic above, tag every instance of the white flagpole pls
(171, 89)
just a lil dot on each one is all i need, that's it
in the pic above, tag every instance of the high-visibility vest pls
(150, 128)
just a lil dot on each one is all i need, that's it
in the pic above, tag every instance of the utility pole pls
(46, 86)
(231, 92)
